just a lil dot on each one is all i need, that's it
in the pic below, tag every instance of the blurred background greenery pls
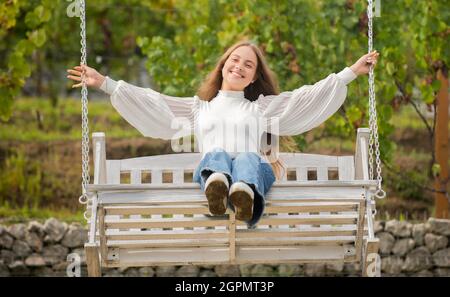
(171, 45)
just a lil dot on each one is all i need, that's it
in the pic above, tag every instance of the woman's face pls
(239, 69)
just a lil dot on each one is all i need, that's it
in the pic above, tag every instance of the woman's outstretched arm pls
(153, 114)
(295, 112)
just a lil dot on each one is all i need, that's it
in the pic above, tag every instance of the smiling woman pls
(239, 69)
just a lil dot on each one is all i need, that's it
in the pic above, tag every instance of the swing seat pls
(147, 212)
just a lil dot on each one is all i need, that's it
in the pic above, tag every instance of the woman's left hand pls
(362, 66)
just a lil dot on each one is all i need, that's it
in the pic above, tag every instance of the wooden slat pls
(294, 160)
(272, 207)
(372, 246)
(220, 255)
(178, 216)
(199, 216)
(279, 215)
(183, 195)
(315, 193)
(135, 217)
(307, 219)
(157, 217)
(171, 243)
(114, 217)
(347, 230)
(165, 223)
(92, 260)
(322, 173)
(99, 154)
(178, 176)
(169, 196)
(310, 207)
(328, 240)
(113, 172)
(157, 209)
(135, 177)
(189, 161)
(157, 177)
(360, 232)
(277, 254)
(102, 236)
(278, 184)
(302, 173)
(171, 256)
(232, 237)
(166, 234)
(346, 168)
(361, 154)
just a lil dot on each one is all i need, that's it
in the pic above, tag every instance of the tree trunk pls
(441, 146)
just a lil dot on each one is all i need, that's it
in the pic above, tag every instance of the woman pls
(241, 92)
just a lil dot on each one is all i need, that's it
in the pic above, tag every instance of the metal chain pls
(84, 198)
(373, 139)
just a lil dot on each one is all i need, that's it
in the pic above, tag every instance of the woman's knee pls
(247, 156)
(218, 153)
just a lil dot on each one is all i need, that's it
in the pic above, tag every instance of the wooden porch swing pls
(166, 221)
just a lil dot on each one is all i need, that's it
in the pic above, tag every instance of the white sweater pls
(229, 121)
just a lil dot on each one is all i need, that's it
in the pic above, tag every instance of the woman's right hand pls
(92, 77)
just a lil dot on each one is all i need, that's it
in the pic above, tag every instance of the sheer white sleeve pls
(151, 113)
(307, 107)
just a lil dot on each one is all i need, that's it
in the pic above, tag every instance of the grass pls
(34, 119)
(334, 145)
(408, 118)
(19, 215)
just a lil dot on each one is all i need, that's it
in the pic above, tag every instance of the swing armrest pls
(362, 154)
(99, 152)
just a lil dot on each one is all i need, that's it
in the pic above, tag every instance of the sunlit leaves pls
(38, 37)
(37, 16)
(21, 44)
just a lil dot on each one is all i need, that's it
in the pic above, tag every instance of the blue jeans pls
(247, 167)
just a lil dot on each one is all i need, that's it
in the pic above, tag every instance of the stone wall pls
(41, 249)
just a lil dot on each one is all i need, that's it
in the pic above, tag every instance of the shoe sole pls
(243, 204)
(216, 193)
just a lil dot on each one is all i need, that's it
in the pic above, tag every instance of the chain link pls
(84, 198)
(373, 139)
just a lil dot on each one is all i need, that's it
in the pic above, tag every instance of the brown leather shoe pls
(241, 196)
(216, 191)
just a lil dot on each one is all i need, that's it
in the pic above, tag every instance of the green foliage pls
(23, 28)
(409, 185)
(436, 170)
(20, 177)
(36, 120)
(301, 143)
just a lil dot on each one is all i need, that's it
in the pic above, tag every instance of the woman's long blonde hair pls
(265, 83)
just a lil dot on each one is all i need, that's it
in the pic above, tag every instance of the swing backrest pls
(179, 168)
